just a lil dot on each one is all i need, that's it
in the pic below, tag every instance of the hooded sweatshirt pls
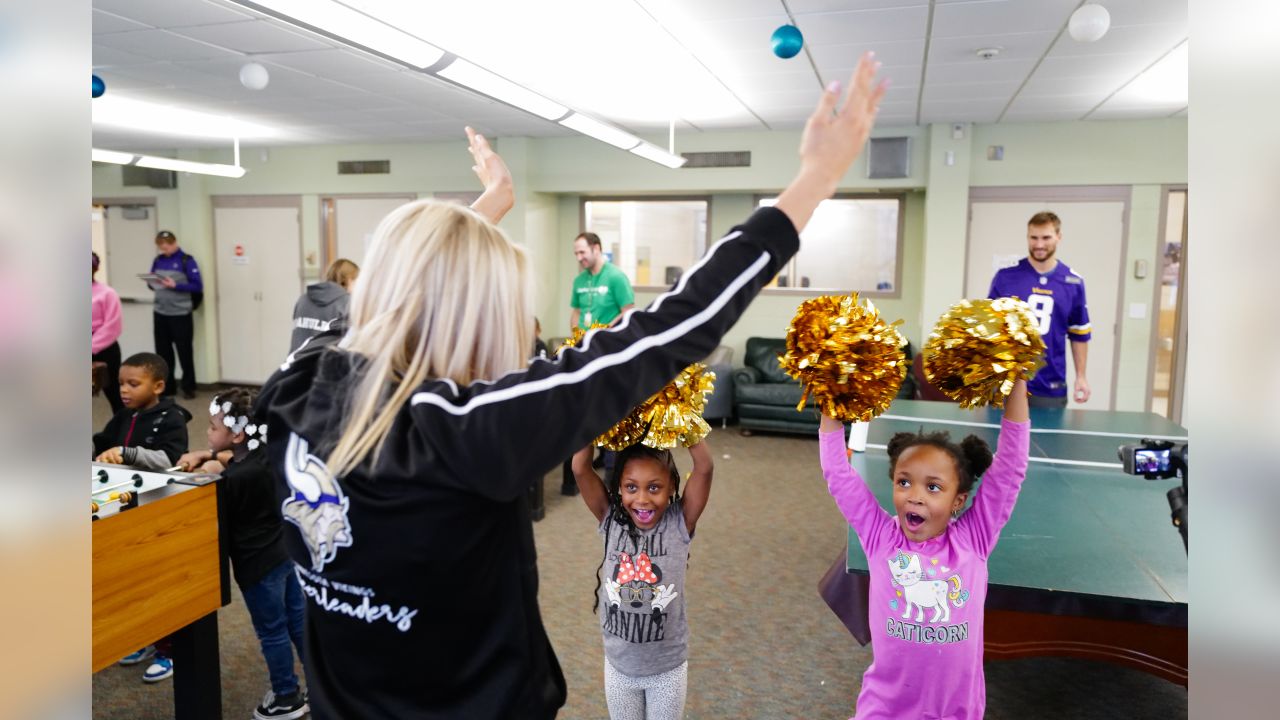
(419, 568)
(153, 439)
(321, 308)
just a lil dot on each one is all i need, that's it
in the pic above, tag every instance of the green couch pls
(765, 397)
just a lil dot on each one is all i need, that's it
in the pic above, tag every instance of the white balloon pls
(1089, 23)
(254, 76)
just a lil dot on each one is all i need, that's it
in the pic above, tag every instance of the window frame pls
(895, 294)
(699, 252)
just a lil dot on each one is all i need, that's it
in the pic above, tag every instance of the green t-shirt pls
(600, 298)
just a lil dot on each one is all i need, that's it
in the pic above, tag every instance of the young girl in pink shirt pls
(106, 330)
(928, 569)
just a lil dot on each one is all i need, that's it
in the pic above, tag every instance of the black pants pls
(1046, 401)
(176, 331)
(111, 356)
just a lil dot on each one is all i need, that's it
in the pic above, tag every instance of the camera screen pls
(1150, 461)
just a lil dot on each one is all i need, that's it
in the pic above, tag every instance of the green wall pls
(553, 174)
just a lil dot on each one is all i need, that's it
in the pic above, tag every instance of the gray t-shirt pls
(642, 595)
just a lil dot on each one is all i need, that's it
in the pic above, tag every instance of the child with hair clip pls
(254, 536)
(647, 527)
(929, 569)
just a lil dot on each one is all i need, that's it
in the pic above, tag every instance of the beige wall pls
(553, 174)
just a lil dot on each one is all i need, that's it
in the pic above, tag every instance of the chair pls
(765, 396)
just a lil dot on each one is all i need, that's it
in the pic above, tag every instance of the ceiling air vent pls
(364, 167)
(134, 176)
(731, 158)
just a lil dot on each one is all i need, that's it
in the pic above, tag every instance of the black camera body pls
(1160, 460)
(1154, 459)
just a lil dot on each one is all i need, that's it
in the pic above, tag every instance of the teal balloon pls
(787, 41)
(99, 87)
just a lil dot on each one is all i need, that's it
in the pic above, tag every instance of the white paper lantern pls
(1089, 23)
(254, 76)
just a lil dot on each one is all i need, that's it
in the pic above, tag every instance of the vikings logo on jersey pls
(318, 506)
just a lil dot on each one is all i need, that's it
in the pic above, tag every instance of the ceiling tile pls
(969, 91)
(161, 45)
(105, 23)
(889, 54)
(1142, 12)
(111, 57)
(979, 71)
(961, 111)
(171, 13)
(993, 17)
(1153, 40)
(1012, 46)
(805, 7)
(252, 36)
(865, 26)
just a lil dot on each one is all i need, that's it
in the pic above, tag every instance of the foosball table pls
(159, 571)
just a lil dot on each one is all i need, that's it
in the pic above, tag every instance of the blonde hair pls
(342, 271)
(444, 294)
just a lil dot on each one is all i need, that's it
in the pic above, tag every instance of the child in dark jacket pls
(150, 433)
(254, 537)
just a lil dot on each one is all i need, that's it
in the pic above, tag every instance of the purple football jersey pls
(1057, 300)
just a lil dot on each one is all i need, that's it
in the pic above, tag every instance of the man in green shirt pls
(601, 292)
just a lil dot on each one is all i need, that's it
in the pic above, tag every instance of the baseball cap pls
(165, 235)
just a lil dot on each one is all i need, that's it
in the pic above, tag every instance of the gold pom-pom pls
(979, 348)
(672, 417)
(846, 356)
(575, 338)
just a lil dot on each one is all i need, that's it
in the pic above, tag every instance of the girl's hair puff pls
(972, 456)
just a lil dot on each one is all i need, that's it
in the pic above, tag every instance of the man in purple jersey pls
(1056, 296)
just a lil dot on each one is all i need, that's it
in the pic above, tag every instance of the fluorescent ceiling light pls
(1164, 83)
(111, 156)
(162, 163)
(658, 155)
(500, 88)
(338, 20)
(145, 116)
(600, 131)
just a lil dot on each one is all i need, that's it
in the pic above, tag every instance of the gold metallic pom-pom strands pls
(575, 339)
(979, 348)
(672, 416)
(848, 359)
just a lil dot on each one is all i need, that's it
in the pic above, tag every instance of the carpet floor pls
(762, 642)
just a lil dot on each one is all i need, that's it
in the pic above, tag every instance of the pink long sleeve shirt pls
(106, 317)
(926, 598)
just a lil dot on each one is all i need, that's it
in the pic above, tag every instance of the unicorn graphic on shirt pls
(317, 506)
(939, 595)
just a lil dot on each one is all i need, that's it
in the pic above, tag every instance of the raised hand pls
(833, 138)
(499, 193)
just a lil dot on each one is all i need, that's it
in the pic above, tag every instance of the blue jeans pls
(276, 609)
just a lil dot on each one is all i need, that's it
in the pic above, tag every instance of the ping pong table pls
(1089, 565)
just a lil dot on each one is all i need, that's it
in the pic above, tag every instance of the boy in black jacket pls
(150, 433)
(254, 537)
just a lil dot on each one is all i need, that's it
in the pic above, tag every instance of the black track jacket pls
(420, 573)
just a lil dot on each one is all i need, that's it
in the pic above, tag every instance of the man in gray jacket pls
(179, 290)
(324, 305)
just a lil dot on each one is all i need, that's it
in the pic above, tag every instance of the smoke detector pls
(987, 53)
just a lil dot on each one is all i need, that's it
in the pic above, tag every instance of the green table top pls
(1089, 532)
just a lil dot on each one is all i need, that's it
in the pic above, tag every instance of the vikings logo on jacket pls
(318, 506)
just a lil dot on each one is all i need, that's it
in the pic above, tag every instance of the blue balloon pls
(99, 87)
(787, 41)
